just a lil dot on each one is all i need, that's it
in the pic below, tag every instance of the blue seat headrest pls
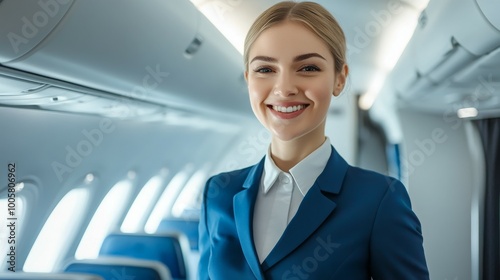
(187, 227)
(163, 248)
(118, 268)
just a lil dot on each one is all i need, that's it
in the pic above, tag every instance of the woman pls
(302, 212)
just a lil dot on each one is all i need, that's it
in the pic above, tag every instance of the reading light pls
(89, 178)
(470, 112)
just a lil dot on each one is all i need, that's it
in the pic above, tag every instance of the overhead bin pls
(15, 91)
(24, 24)
(450, 28)
(450, 36)
(163, 52)
(8, 85)
(490, 9)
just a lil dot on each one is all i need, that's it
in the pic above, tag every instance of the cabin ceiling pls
(360, 20)
(168, 57)
(379, 33)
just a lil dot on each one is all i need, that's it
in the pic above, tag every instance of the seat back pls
(48, 276)
(120, 268)
(188, 227)
(168, 249)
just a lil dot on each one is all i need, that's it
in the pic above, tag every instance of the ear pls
(246, 76)
(340, 80)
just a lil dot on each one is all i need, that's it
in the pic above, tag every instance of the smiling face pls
(291, 80)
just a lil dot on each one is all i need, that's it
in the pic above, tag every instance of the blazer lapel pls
(243, 206)
(313, 210)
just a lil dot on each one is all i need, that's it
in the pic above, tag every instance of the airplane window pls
(5, 231)
(187, 205)
(104, 220)
(137, 213)
(167, 198)
(57, 232)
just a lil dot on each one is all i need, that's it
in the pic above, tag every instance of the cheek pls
(321, 96)
(320, 90)
(257, 93)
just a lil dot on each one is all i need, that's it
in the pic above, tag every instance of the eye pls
(263, 70)
(310, 68)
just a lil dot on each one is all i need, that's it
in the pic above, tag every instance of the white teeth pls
(289, 109)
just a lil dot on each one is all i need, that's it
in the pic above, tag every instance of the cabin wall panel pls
(35, 140)
(441, 178)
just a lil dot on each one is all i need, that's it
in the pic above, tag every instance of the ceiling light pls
(366, 100)
(395, 39)
(219, 14)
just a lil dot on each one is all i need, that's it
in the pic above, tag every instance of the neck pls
(286, 154)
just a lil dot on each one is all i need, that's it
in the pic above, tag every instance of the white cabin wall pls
(441, 177)
(342, 125)
(35, 139)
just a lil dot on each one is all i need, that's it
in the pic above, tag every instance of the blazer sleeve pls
(396, 245)
(204, 239)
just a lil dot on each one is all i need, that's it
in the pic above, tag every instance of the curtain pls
(490, 135)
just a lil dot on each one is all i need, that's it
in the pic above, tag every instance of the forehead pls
(288, 39)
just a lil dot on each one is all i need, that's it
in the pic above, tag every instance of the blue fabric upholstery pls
(47, 276)
(164, 248)
(118, 268)
(187, 227)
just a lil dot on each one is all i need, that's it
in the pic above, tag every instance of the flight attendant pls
(302, 212)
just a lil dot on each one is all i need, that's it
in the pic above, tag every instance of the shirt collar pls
(270, 173)
(304, 173)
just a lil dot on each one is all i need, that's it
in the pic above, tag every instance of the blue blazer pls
(352, 224)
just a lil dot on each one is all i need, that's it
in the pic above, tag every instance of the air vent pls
(13, 86)
(194, 46)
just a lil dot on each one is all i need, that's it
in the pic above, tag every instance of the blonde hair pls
(313, 16)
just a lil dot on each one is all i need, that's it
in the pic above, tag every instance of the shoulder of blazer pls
(372, 179)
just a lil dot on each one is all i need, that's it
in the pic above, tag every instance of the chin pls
(287, 136)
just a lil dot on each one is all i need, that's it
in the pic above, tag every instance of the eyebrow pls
(296, 59)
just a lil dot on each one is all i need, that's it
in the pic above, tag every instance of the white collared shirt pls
(280, 195)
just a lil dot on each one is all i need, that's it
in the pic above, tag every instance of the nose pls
(285, 85)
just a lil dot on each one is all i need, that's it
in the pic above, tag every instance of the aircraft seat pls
(47, 276)
(169, 249)
(120, 268)
(188, 227)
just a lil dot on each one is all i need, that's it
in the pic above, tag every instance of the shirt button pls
(285, 179)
